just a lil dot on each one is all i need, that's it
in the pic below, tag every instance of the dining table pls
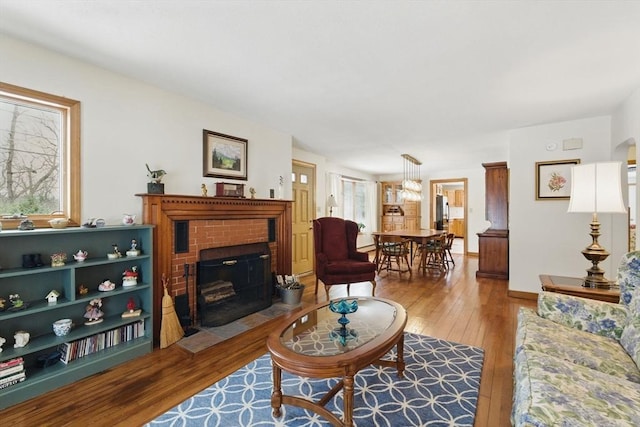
(419, 236)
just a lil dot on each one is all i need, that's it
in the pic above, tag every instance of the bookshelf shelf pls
(33, 284)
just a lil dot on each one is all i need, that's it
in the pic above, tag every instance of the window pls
(354, 196)
(39, 156)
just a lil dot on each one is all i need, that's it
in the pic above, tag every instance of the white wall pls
(127, 123)
(543, 237)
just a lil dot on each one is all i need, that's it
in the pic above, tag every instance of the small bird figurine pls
(156, 175)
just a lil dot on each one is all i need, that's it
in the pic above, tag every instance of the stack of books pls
(12, 372)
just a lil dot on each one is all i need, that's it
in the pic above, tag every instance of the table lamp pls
(332, 203)
(595, 188)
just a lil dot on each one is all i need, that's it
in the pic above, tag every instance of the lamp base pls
(596, 282)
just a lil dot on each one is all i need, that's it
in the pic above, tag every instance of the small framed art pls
(224, 156)
(553, 179)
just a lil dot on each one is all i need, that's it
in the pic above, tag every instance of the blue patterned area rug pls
(440, 388)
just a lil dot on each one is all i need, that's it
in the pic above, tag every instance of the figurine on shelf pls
(2, 306)
(16, 302)
(133, 251)
(132, 311)
(80, 255)
(130, 277)
(106, 285)
(21, 339)
(2, 341)
(83, 290)
(205, 193)
(93, 312)
(115, 253)
(58, 260)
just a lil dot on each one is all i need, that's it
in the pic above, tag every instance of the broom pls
(170, 330)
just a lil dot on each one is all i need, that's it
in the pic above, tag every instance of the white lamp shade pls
(595, 188)
(332, 203)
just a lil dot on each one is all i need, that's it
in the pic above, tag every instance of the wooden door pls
(304, 184)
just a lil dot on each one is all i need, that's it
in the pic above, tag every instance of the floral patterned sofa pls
(576, 359)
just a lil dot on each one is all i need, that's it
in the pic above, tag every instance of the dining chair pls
(394, 249)
(337, 258)
(435, 254)
(447, 249)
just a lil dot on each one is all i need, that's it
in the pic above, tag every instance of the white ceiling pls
(362, 82)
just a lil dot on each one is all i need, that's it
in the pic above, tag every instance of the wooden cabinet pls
(35, 283)
(493, 244)
(455, 198)
(456, 226)
(397, 213)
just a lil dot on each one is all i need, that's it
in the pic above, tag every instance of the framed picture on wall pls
(224, 156)
(553, 179)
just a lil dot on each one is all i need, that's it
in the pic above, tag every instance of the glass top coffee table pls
(321, 343)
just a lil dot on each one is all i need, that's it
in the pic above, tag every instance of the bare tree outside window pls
(39, 156)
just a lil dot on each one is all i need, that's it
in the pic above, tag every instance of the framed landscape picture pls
(553, 179)
(224, 156)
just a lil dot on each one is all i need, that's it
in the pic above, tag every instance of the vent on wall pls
(181, 236)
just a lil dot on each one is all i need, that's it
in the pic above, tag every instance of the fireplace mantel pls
(162, 210)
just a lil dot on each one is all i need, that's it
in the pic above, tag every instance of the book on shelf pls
(85, 346)
(11, 362)
(12, 379)
(10, 371)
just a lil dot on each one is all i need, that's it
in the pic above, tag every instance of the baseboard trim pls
(523, 295)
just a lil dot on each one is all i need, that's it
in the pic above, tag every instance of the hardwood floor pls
(455, 307)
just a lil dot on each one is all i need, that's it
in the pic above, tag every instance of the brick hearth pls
(213, 222)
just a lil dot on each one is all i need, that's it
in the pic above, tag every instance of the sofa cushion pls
(550, 391)
(583, 348)
(628, 276)
(598, 317)
(630, 339)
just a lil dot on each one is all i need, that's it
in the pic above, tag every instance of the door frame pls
(432, 192)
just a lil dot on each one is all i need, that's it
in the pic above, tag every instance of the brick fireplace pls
(186, 225)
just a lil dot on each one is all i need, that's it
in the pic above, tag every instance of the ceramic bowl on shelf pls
(59, 223)
(62, 327)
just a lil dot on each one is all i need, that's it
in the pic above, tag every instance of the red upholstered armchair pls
(337, 259)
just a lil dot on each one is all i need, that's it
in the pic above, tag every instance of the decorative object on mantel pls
(252, 191)
(154, 186)
(280, 187)
(596, 187)
(228, 189)
(204, 191)
(171, 330)
(224, 156)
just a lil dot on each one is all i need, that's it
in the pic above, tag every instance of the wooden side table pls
(573, 286)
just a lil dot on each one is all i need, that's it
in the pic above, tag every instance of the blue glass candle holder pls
(343, 307)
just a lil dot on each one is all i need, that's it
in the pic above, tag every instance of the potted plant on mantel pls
(290, 289)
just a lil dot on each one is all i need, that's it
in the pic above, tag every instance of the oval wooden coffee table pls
(307, 345)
